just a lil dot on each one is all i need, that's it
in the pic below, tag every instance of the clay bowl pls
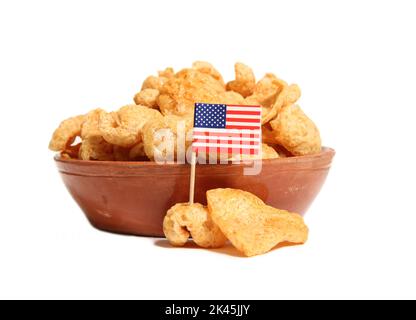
(133, 197)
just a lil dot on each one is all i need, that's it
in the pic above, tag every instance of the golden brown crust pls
(160, 136)
(244, 82)
(147, 97)
(296, 132)
(206, 67)
(184, 220)
(180, 93)
(124, 127)
(96, 148)
(253, 227)
(66, 133)
(267, 152)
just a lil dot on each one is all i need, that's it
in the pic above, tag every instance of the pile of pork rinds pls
(168, 99)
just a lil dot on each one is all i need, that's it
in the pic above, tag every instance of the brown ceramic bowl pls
(133, 197)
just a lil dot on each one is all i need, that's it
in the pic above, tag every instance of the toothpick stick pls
(192, 179)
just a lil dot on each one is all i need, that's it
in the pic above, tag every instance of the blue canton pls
(210, 115)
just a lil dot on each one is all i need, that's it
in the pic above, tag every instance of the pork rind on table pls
(252, 226)
(184, 220)
(169, 98)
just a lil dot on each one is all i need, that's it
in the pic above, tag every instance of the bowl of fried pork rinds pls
(110, 161)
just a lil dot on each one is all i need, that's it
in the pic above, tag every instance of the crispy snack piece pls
(252, 226)
(266, 90)
(267, 152)
(96, 148)
(244, 82)
(296, 132)
(160, 136)
(265, 93)
(124, 127)
(71, 151)
(66, 133)
(167, 73)
(153, 82)
(184, 220)
(147, 97)
(231, 97)
(180, 93)
(91, 125)
(289, 95)
(206, 67)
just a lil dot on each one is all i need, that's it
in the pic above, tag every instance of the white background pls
(355, 63)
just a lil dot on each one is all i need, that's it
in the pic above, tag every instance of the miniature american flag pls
(232, 129)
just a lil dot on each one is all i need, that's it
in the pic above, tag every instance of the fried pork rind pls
(147, 97)
(287, 96)
(266, 90)
(167, 73)
(206, 67)
(66, 133)
(71, 151)
(91, 125)
(180, 93)
(296, 132)
(231, 97)
(123, 128)
(267, 152)
(244, 82)
(265, 93)
(160, 136)
(184, 220)
(253, 227)
(153, 82)
(96, 148)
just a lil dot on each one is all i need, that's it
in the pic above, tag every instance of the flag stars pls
(210, 115)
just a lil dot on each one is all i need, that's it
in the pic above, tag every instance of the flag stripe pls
(224, 145)
(233, 142)
(202, 137)
(242, 108)
(242, 123)
(226, 131)
(238, 126)
(233, 151)
(241, 116)
(233, 120)
(254, 113)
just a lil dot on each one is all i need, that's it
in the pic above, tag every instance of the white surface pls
(355, 63)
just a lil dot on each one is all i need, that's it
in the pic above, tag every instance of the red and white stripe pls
(242, 133)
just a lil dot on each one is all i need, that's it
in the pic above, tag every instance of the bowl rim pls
(326, 152)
